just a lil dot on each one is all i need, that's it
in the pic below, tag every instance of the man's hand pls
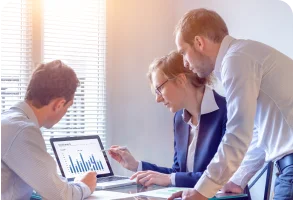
(231, 187)
(190, 194)
(148, 178)
(124, 157)
(89, 179)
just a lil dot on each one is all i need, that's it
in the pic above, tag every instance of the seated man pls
(25, 163)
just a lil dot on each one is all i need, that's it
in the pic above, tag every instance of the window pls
(73, 31)
(16, 51)
(79, 41)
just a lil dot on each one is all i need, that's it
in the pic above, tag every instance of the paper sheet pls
(163, 193)
(107, 195)
(167, 192)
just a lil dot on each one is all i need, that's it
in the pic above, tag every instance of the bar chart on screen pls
(82, 165)
(80, 156)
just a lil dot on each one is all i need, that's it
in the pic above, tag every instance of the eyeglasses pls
(159, 88)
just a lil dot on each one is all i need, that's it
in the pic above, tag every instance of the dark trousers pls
(284, 184)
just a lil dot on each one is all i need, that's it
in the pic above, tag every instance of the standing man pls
(258, 82)
(25, 163)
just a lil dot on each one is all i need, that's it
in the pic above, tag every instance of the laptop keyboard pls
(111, 178)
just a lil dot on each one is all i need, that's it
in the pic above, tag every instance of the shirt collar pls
(28, 111)
(208, 104)
(222, 52)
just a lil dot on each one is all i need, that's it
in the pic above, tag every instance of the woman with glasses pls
(199, 124)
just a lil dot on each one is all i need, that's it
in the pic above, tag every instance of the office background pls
(139, 31)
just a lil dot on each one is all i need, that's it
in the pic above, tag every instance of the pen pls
(120, 148)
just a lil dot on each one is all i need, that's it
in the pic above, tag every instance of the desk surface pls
(134, 189)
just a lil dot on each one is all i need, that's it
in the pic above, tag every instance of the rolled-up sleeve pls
(28, 158)
(252, 162)
(241, 80)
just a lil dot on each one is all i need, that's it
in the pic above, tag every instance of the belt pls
(284, 162)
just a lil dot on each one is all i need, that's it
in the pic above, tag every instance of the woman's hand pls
(124, 157)
(148, 178)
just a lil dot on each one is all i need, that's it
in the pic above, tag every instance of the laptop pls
(77, 155)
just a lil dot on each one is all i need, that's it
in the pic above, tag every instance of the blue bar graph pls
(83, 165)
(83, 162)
(72, 166)
(78, 166)
(101, 165)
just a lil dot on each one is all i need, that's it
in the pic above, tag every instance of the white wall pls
(268, 21)
(138, 31)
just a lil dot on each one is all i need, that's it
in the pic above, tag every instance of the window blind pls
(16, 51)
(75, 32)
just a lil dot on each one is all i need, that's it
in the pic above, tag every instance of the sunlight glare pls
(69, 8)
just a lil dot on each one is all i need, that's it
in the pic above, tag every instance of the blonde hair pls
(202, 22)
(172, 65)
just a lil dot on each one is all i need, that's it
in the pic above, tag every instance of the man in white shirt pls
(25, 163)
(258, 81)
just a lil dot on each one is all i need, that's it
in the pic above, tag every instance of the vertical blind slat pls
(16, 51)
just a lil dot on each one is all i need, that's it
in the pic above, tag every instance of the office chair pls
(269, 168)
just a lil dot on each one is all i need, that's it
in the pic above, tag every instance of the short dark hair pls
(50, 81)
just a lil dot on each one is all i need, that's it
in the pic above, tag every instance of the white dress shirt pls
(258, 81)
(208, 105)
(193, 135)
(25, 163)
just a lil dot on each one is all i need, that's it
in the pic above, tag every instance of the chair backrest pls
(269, 168)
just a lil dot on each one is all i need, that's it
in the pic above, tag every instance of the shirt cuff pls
(206, 187)
(85, 189)
(173, 181)
(139, 167)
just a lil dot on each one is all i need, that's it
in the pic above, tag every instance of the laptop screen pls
(78, 155)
